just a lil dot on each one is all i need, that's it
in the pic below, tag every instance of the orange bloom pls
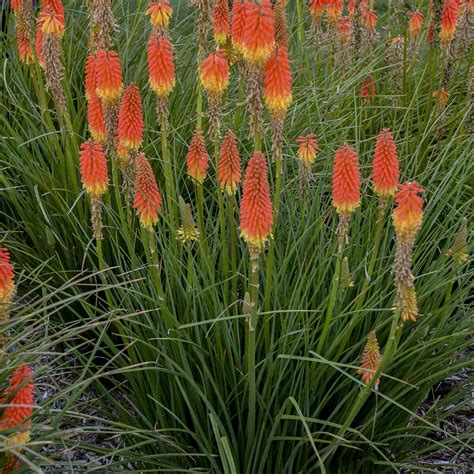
(370, 360)
(93, 166)
(25, 51)
(364, 6)
(277, 82)
(160, 65)
(15, 5)
(281, 25)
(147, 200)
(367, 88)
(307, 150)
(316, 7)
(108, 76)
(130, 122)
(56, 7)
(214, 73)
(256, 212)
(449, 19)
(221, 21)
(160, 13)
(95, 119)
(259, 33)
(334, 11)
(39, 45)
(416, 23)
(197, 157)
(346, 180)
(344, 28)
(90, 77)
(228, 168)
(51, 22)
(370, 19)
(443, 96)
(408, 213)
(385, 166)
(19, 409)
(351, 7)
(7, 285)
(238, 25)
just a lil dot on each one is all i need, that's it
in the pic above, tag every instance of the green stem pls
(102, 267)
(169, 180)
(233, 247)
(200, 209)
(301, 38)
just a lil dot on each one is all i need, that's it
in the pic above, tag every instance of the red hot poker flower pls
(449, 19)
(197, 157)
(316, 7)
(95, 118)
(408, 213)
(130, 122)
(90, 77)
(7, 285)
(334, 11)
(416, 23)
(214, 73)
(307, 150)
(256, 212)
(238, 25)
(25, 51)
(346, 181)
(160, 66)
(93, 166)
(228, 168)
(367, 88)
(344, 28)
(277, 82)
(370, 19)
(51, 23)
(160, 13)
(385, 166)
(259, 33)
(108, 76)
(221, 21)
(370, 360)
(443, 96)
(147, 200)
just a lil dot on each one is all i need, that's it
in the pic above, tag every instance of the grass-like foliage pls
(160, 328)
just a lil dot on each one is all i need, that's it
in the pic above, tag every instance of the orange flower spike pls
(221, 21)
(416, 23)
(259, 33)
(229, 169)
(443, 95)
(25, 51)
(39, 45)
(316, 8)
(15, 5)
(385, 170)
(370, 19)
(346, 180)
(56, 6)
(351, 7)
(130, 122)
(277, 82)
(197, 157)
(90, 77)
(281, 24)
(238, 25)
(160, 66)
(7, 285)
(371, 359)
(95, 119)
(214, 73)
(367, 88)
(308, 149)
(408, 213)
(108, 76)
(19, 409)
(93, 167)
(449, 19)
(51, 22)
(256, 212)
(160, 13)
(334, 11)
(344, 28)
(147, 200)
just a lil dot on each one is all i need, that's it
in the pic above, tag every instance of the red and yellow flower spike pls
(259, 33)
(90, 77)
(334, 12)
(408, 213)
(307, 149)
(17, 415)
(197, 158)
(221, 21)
(370, 361)
(443, 96)
(229, 168)
(39, 45)
(369, 19)
(95, 119)
(416, 23)
(346, 181)
(93, 167)
(281, 24)
(277, 82)
(344, 29)
(351, 7)
(23, 41)
(130, 122)
(108, 76)
(367, 88)
(51, 23)
(449, 19)
(256, 212)
(385, 171)
(316, 8)
(160, 13)
(147, 201)
(160, 66)
(214, 74)
(7, 283)
(238, 25)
